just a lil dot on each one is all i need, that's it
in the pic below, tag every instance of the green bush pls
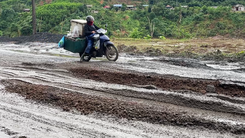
(162, 37)
(135, 33)
(147, 37)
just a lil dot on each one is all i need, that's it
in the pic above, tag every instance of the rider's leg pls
(89, 46)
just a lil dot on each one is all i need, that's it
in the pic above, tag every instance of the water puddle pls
(3, 135)
(226, 66)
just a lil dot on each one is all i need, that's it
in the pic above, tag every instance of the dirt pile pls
(164, 82)
(87, 104)
(39, 37)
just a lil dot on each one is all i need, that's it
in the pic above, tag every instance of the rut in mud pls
(165, 82)
(87, 104)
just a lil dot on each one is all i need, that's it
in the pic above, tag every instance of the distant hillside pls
(27, 3)
(126, 1)
(191, 3)
(198, 18)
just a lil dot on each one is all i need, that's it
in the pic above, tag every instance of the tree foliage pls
(199, 19)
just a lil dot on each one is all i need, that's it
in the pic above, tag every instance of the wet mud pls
(87, 104)
(131, 89)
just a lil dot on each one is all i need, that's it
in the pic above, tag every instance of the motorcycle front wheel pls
(111, 53)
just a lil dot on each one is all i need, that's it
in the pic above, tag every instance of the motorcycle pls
(101, 46)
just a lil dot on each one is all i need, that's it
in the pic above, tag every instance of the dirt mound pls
(39, 37)
(164, 82)
(87, 104)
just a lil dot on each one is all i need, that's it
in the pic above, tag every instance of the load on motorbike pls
(75, 42)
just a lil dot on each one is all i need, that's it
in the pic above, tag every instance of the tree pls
(124, 7)
(151, 22)
(34, 17)
(25, 25)
(8, 15)
(18, 7)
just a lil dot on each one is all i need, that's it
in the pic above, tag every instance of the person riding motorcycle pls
(90, 30)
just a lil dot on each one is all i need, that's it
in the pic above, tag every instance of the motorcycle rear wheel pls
(111, 53)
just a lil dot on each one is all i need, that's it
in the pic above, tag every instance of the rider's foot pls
(83, 55)
(81, 58)
(94, 54)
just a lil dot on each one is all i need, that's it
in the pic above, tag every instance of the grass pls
(216, 47)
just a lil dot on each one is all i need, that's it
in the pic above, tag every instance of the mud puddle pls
(197, 63)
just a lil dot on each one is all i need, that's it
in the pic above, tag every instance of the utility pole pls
(34, 29)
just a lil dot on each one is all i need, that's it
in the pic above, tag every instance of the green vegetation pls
(197, 20)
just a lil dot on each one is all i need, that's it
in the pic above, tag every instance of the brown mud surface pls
(110, 89)
(166, 82)
(87, 104)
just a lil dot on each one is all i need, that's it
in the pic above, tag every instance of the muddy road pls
(46, 92)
